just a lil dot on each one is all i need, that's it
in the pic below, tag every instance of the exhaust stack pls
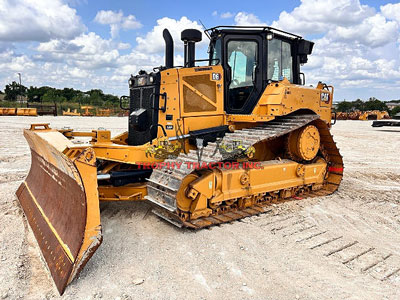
(169, 49)
(190, 37)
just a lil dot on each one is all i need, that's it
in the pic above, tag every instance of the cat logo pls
(325, 97)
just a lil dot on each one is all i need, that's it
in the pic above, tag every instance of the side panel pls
(201, 91)
(284, 98)
(170, 120)
(197, 123)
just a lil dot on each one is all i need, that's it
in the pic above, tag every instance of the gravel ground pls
(343, 246)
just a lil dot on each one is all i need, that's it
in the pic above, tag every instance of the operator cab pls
(252, 57)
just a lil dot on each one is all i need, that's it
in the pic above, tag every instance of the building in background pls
(392, 105)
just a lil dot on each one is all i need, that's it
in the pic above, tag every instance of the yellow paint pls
(234, 183)
(86, 166)
(197, 123)
(130, 192)
(73, 113)
(27, 112)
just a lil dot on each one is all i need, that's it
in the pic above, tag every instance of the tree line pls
(371, 104)
(96, 97)
(48, 94)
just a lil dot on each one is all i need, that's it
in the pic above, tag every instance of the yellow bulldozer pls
(209, 142)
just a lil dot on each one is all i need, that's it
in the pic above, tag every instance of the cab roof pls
(249, 30)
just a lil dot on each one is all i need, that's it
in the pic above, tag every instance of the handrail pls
(264, 28)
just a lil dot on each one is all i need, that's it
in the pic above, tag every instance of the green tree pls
(358, 105)
(95, 98)
(344, 106)
(78, 98)
(36, 94)
(395, 111)
(375, 104)
(49, 94)
(32, 94)
(13, 90)
(371, 104)
(69, 93)
(53, 96)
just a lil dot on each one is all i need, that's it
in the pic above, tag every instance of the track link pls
(163, 185)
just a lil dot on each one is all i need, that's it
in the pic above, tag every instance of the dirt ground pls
(343, 246)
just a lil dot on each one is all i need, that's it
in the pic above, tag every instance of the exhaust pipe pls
(169, 49)
(189, 38)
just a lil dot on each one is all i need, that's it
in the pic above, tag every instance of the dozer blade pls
(60, 200)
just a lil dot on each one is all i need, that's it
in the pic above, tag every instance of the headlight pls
(142, 81)
(270, 36)
(151, 79)
(131, 82)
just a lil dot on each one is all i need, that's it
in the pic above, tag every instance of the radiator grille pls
(145, 97)
(135, 99)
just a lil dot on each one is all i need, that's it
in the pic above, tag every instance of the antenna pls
(205, 32)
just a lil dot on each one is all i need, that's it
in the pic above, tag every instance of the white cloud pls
(318, 16)
(87, 51)
(9, 60)
(107, 17)
(373, 31)
(123, 46)
(153, 41)
(130, 22)
(352, 67)
(224, 15)
(30, 20)
(391, 11)
(85, 62)
(90, 61)
(247, 19)
(117, 20)
(227, 15)
(356, 48)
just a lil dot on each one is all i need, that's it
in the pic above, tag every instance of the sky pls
(86, 44)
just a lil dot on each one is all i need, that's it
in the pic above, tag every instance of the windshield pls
(216, 53)
(279, 60)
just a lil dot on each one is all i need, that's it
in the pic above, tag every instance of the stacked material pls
(12, 111)
(73, 113)
(364, 116)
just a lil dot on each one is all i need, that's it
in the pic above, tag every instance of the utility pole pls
(20, 88)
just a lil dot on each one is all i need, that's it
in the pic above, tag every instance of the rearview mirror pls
(124, 100)
(305, 47)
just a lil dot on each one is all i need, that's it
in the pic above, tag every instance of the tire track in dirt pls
(355, 255)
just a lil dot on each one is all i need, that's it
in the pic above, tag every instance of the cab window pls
(242, 60)
(216, 53)
(280, 61)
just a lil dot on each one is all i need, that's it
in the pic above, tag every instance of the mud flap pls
(60, 200)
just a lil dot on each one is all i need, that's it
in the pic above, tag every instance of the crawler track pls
(164, 184)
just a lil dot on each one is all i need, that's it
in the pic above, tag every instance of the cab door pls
(242, 66)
